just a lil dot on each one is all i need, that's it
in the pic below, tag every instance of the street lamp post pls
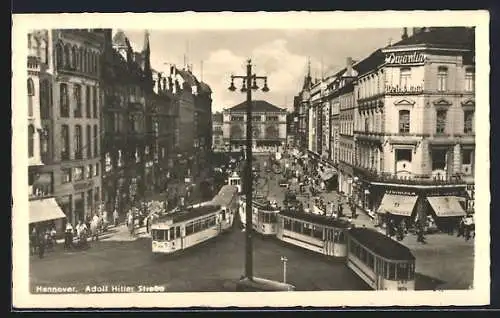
(249, 83)
(284, 260)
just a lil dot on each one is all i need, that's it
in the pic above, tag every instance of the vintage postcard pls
(250, 159)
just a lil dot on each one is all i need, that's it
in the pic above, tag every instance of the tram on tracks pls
(264, 216)
(228, 200)
(235, 180)
(317, 233)
(381, 262)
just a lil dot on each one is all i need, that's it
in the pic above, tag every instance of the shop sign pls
(83, 185)
(405, 58)
(408, 89)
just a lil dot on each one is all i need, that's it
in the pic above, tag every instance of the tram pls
(264, 216)
(227, 199)
(381, 262)
(235, 180)
(317, 233)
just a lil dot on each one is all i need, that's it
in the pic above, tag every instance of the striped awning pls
(446, 206)
(398, 204)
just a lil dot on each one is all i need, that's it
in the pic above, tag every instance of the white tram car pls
(235, 180)
(317, 233)
(381, 262)
(264, 216)
(228, 200)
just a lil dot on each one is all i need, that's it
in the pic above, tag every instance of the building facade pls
(217, 132)
(415, 126)
(71, 148)
(268, 124)
(43, 207)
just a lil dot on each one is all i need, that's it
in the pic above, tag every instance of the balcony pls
(411, 179)
(369, 136)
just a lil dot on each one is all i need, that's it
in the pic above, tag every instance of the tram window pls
(370, 261)
(401, 271)
(307, 229)
(178, 232)
(287, 224)
(411, 272)
(392, 271)
(341, 237)
(211, 222)
(272, 218)
(154, 235)
(317, 232)
(297, 227)
(224, 215)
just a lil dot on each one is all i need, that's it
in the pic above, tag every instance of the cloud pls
(271, 59)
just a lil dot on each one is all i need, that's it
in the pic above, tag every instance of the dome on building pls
(120, 39)
(205, 88)
(188, 77)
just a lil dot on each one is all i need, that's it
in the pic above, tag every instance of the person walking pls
(68, 235)
(41, 244)
(33, 241)
(115, 217)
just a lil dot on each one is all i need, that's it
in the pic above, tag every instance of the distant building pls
(217, 132)
(268, 124)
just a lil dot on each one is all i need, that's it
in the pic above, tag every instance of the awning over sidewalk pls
(327, 174)
(446, 206)
(398, 204)
(45, 210)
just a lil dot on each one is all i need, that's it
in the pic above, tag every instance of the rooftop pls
(445, 37)
(380, 244)
(257, 106)
(315, 218)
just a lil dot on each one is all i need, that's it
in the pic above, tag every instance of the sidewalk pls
(118, 233)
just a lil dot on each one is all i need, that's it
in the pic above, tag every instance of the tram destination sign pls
(405, 58)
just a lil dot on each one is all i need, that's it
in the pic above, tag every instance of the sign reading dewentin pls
(404, 58)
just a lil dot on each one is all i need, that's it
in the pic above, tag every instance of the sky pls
(281, 55)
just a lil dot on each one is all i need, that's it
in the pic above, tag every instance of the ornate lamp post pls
(249, 83)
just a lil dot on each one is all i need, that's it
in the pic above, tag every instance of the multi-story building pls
(71, 149)
(414, 125)
(217, 132)
(302, 102)
(315, 120)
(42, 203)
(268, 124)
(291, 129)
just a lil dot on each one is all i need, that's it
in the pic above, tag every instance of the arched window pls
(81, 60)
(67, 56)
(78, 142)
(64, 100)
(96, 142)
(89, 62)
(31, 93)
(89, 142)
(76, 58)
(59, 55)
(74, 53)
(31, 135)
(84, 61)
(44, 99)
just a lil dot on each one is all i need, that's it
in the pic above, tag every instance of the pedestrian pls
(33, 240)
(41, 244)
(94, 227)
(81, 231)
(115, 217)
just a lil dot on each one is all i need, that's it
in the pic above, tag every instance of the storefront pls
(44, 212)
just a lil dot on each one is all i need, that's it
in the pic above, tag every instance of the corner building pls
(414, 127)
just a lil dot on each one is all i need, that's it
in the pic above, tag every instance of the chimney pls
(405, 34)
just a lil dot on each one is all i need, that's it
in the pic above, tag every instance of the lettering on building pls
(396, 89)
(404, 58)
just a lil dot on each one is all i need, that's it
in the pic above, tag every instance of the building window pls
(31, 136)
(78, 173)
(31, 93)
(96, 195)
(439, 159)
(470, 80)
(367, 125)
(96, 142)
(116, 124)
(404, 121)
(64, 142)
(237, 118)
(67, 57)
(440, 121)
(404, 77)
(78, 142)
(59, 55)
(77, 95)
(94, 101)
(467, 156)
(44, 99)
(468, 121)
(89, 142)
(66, 175)
(64, 100)
(88, 171)
(44, 144)
(90, 196)
(272, 118)
(87, 102)
(131, 124)
(256, 118)
(442, 78)
(96, 171)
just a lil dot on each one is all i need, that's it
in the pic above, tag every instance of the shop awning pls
(45, 210)
(446, 206)
(398, 204)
